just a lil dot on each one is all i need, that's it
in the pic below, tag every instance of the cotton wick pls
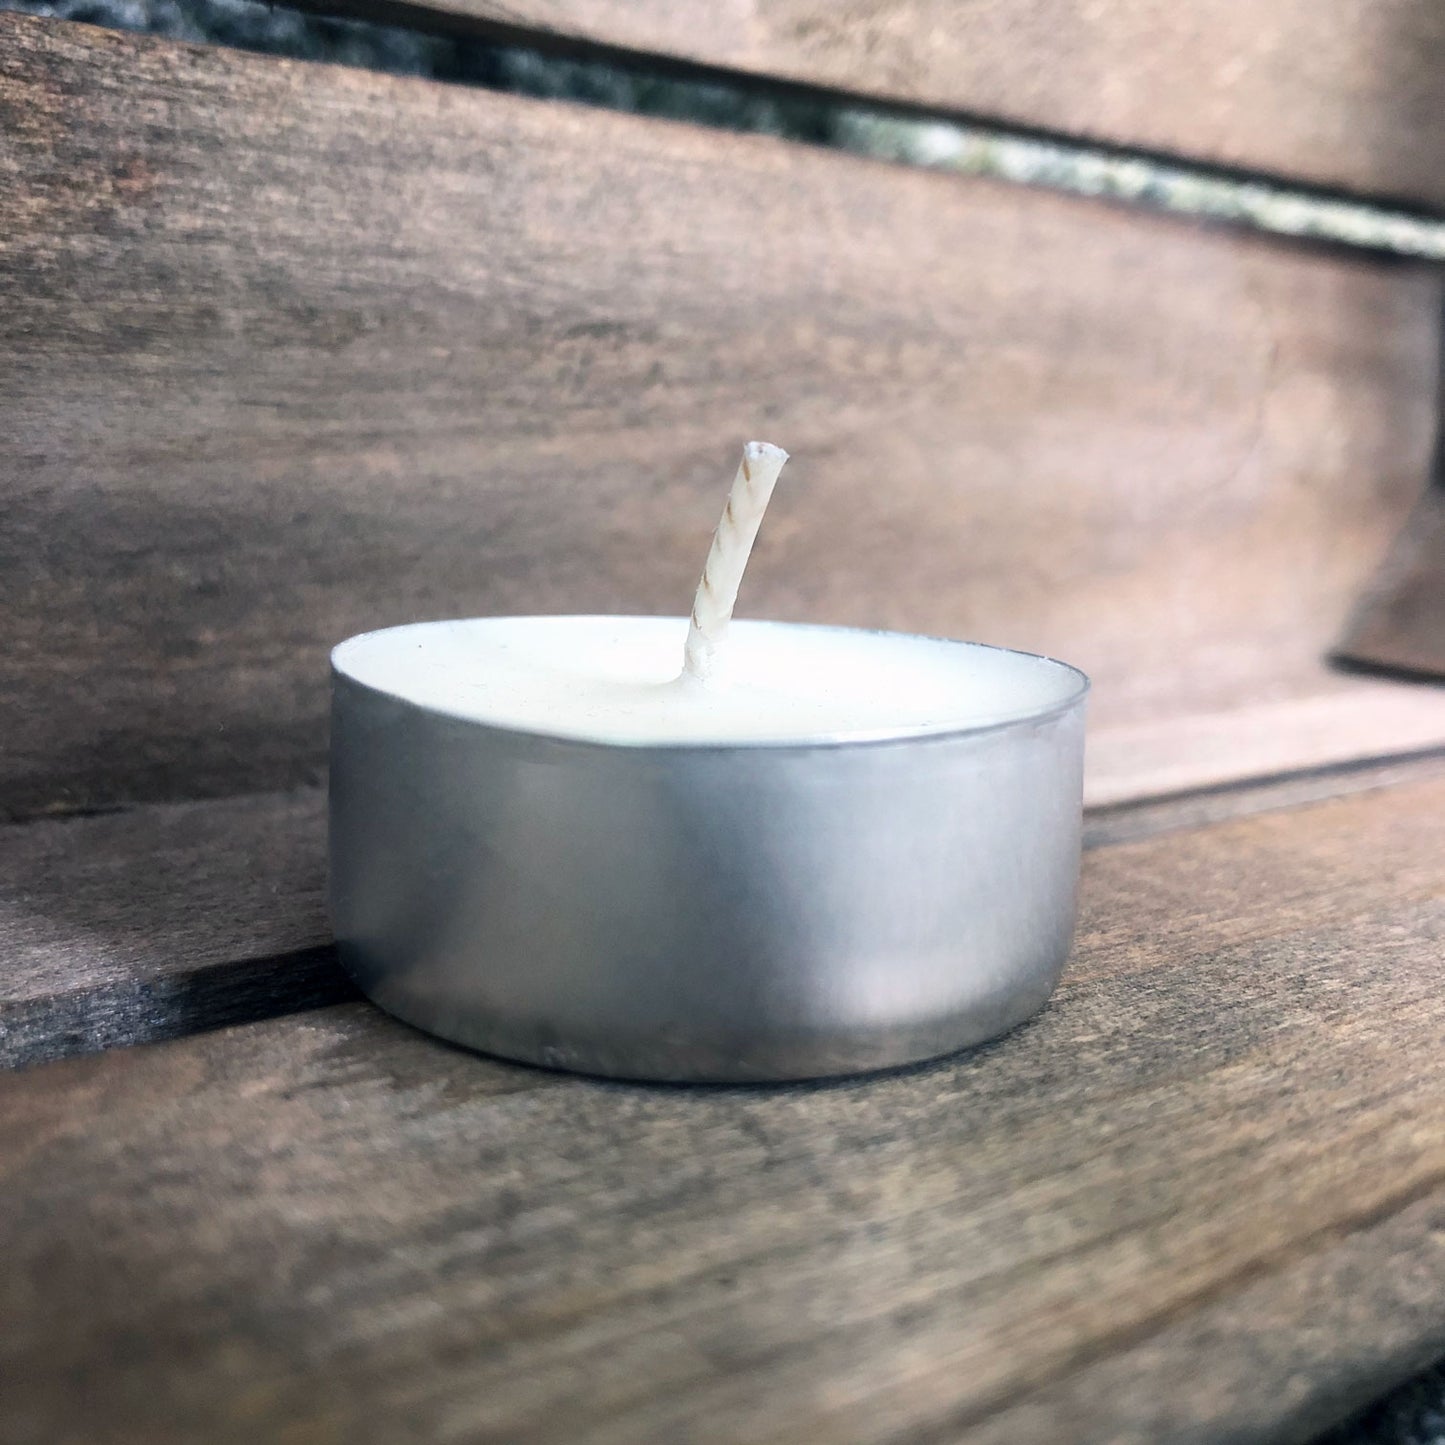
(732, 544)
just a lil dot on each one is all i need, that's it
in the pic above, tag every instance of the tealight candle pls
(703, 850)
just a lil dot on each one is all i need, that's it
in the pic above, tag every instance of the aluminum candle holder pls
(694, 907)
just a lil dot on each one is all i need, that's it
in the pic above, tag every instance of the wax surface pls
(615, 680)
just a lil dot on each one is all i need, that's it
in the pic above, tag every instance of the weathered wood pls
(173, 918)
(1109, 824)
(1342, 719)
(289, 352)
(1343, 93)
(162, 921)
(1400, 622)
(1202, 1196)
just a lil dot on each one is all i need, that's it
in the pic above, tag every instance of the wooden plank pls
(172, 918)
(1400, 622)
(1348, 94)
(1341, 719)
(162, 921)
(290, 352)
(1107, 824)
(1202, 1195)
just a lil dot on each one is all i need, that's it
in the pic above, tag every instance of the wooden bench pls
(291, 351)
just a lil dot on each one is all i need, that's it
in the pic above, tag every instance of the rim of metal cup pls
(882, 737)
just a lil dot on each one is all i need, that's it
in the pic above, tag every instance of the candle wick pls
(727, 559)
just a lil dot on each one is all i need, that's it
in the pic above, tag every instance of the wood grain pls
(162, 921)
(172, 918)
(1341, 719)
(1203, 1195)
(1400, 622)
(1348, 94)
(1108, 824)
(290, 352)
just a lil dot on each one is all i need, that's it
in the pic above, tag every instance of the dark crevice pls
(472, 59)
(126, 1012)
(1413, 1415)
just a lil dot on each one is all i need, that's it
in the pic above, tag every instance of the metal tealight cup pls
(691, 912)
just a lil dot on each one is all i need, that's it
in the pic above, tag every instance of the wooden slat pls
(1340, 719)
(1202, 1196)
(173, 918)
(161, 921)
(1348, 94)
(1106, 825)
(289, 352)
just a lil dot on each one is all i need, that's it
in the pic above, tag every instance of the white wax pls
(615, 680)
